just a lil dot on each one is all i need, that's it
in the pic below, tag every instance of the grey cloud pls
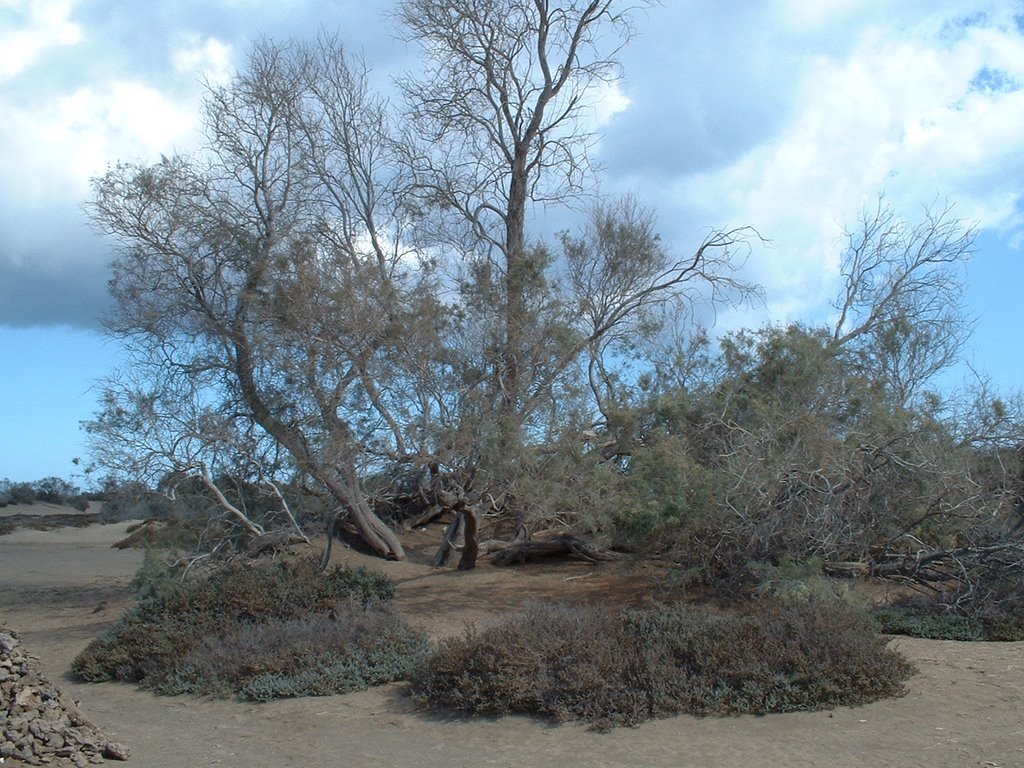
(53, 267)
(705, 86)
(67, 295)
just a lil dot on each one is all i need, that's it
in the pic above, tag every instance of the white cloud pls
(901, 111)
(608, 100)
(28, 28)
(60, 143)
(52, 150)
(209, 58)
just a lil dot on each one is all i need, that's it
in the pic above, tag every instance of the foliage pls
(920, 621)
(785, 449)
(358, 646)
(134, 501)
(155, 577)
(51, 490)
(621, 668)
(21, 493)
(153, 639)
(176, 534)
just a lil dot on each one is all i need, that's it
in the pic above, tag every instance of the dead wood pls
(555, 546)
(450, 542)
(934, 567)
(273, 541)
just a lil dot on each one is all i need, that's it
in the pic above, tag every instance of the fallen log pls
(555, 546)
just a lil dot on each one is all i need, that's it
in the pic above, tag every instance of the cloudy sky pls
(787, 115)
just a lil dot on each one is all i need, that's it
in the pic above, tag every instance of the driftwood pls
(935, 567)
(273, 541)
(555, 546)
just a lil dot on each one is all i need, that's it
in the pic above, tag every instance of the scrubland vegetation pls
(266, 631)
(49, 490)
(356, 332)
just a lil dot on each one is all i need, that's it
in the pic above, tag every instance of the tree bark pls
(470, 547)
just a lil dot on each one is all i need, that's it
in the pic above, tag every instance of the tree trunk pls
(372, 530)
(470, 547)
(449, 543)
(343, 483)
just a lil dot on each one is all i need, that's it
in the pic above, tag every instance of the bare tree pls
(619, 276)
(500, 111)
(273, 263)
(901, 297)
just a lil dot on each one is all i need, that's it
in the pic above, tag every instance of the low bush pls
(165, 638)
(929, 623)
(621, 668)
(940, 621)
(358, 646)
(156, 576)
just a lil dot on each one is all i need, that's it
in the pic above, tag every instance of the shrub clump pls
(621, 668)
(928, 623)
(261, 630)
(941, 621)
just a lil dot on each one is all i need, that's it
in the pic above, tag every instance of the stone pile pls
(39, 723)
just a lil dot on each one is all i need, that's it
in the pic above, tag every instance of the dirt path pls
(58, 588)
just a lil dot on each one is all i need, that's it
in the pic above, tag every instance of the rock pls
(115, 751)
(39, 723)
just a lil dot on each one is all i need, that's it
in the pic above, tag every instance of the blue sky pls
(786, 115)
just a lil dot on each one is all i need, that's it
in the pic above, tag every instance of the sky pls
(789, 116)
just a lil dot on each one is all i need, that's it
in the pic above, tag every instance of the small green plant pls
(621, 668)
(799, 580)
(939, 622)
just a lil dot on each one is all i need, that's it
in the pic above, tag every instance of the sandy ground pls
(59, 588)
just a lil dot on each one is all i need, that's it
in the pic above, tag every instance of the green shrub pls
(22, 493)
(156, 576)
(151, 642)
(608, 668)
(938, 622)
(928, 623)
(357, 647)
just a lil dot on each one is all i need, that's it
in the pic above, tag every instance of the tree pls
(900, 302)
(368, 301)
(499, 108)
(501, 115)
(55, 490)
(269, 269)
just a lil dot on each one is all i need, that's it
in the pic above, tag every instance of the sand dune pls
(58, 588)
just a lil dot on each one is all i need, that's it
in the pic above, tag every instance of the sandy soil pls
(59, 588)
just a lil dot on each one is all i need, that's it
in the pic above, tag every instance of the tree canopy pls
(346, 299)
